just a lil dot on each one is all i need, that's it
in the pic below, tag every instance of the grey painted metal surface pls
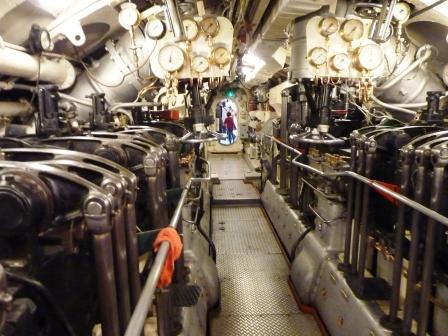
(316, 278)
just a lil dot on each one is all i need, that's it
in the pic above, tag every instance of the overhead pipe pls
(17, 63)
(11, 109)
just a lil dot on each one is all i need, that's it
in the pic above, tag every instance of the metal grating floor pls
(228, 166)
(235, 191)
(255, 296)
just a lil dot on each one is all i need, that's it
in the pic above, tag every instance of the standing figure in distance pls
(230, 126)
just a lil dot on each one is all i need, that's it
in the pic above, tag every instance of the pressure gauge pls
(221, 56)
(318, 56)
(328, 26)
(199, 64)
(210, 26)
(352, 29)
(402, 12)
(129, 16)
(368, 57)
(340, 62)
(45, 40)
(39, 39)
(191, 29)
(155, 29)
(171, 58)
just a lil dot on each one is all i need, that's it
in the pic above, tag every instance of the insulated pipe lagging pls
(12, 109)
(20, 64)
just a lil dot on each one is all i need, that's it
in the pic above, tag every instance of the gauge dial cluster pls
(340, 48)
(206, 53)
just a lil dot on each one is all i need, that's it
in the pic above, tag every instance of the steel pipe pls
(132, 247)
(20, 64)
(106, 283)
(121, 268)
(145, 301)
(430, 249)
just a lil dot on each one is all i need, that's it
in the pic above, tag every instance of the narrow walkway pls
(255, 296)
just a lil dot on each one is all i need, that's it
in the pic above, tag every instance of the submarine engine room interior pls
(224, 167)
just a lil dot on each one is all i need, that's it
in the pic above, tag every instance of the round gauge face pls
(369, 57)
(171, 58)
(318, 56)
(328, 26)
(199, 64)
(340, 62)
(155, 29)
(191, 29)
(129, 15)
(210, 26)
(221, 56)
(352, 29)
(401, 12)
(45, 40)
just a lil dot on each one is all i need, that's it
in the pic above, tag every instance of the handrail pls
(379, 187)
(186, 138)
(280, 142)
(145, 301)
(372, 183)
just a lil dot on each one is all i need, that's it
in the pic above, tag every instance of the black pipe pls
(210, 226)
(325, 105)
(284, 136)
(45, 293)
(428, 261)
(405, 188)
(210, 242)
(293, 186)
(351, 194)
(364, 227)
(357, 216)
(299, 240)
(420, 191)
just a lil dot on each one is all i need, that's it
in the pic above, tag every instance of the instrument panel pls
(341, 48)
(206, 53)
